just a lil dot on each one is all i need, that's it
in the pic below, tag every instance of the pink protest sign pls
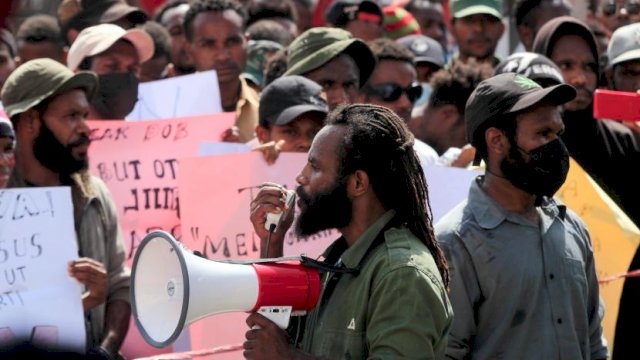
(139, 163)
(215, 194)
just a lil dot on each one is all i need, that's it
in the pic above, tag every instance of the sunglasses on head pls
(390, 92)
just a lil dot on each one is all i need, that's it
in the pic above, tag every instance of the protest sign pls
(182, 96)
(448, 186)
(215, 194)
(217, 224)
(614, 237)
(139, 163)
(221, 148)
(39, 301)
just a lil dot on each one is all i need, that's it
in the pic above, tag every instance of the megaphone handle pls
(278, 314)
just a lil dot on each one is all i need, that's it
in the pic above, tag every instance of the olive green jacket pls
(395, 308)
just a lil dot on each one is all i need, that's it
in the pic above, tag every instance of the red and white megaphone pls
(172, 287)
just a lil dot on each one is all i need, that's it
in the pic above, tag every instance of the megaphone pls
(172, 287)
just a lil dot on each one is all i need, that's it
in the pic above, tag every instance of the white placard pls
(221, 148)
(188, 95)
(39, 301)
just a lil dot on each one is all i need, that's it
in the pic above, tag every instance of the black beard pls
(330, 209)
(55, 156)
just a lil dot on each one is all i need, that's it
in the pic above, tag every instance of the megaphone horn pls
(171, 287)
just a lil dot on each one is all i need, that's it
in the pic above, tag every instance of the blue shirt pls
(520, 290)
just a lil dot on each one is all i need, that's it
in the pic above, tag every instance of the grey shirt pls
(520, 290)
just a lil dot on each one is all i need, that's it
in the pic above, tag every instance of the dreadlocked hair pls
(379, 143)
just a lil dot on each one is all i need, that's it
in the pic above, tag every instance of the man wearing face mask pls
(523, 281)
(48, 106)
(115, 55)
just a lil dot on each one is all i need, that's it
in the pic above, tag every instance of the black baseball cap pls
(424, 48)
(341, 12)
(288, 97)
(504, 94)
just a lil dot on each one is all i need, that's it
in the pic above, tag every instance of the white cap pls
(96, 39)
(624, 44)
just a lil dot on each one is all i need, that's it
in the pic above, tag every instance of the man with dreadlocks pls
(523, 279)
(364, 179)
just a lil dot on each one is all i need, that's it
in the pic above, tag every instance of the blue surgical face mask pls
(424, 98)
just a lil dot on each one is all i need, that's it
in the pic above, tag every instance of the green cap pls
(39, 79)
(463, 8)
(317, 46)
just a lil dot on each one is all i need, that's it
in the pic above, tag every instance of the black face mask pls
(55, 156)
(116, 96)
(543, 174)
(330, 209)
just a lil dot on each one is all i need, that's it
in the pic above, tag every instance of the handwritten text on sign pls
(216, 193)
(215, 196)
(139, 163)
(37, 240)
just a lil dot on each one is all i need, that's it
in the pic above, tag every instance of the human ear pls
(357, 184)
(497, 142)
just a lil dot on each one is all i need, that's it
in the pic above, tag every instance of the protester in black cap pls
(523, 281)
(7, 55)
(534, 66)
(48, 106)
(292, 111)
(429, 55)
(39, 37)
(171, 16)
(7, 147)
(363, 19)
